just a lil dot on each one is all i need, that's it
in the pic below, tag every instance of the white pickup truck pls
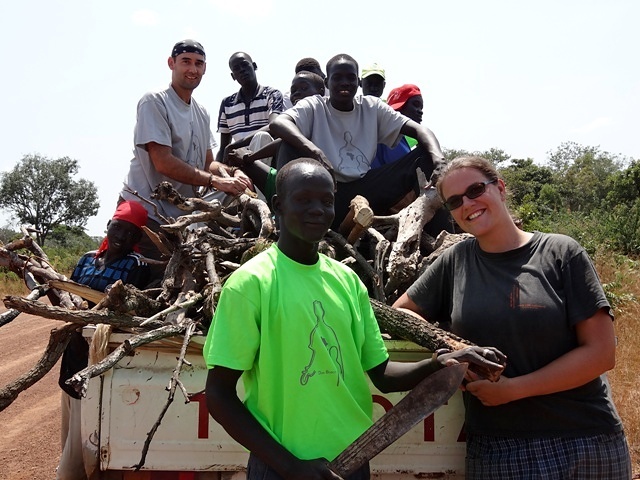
(122, 406)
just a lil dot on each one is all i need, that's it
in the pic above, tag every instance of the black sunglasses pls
(474, 191)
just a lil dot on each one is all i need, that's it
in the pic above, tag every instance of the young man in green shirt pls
(299, 328)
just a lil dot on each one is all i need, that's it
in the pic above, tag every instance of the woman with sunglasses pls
(537, 298)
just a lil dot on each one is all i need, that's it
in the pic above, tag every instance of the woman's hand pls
(491, 394)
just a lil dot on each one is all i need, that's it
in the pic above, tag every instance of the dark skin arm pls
(242, 156)
(243, 142)
(227, 409)
(428, 141)
(285, 127)
(393, 376)
(225, 140)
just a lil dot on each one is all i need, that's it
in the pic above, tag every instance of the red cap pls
(132, 212)
(399, 96)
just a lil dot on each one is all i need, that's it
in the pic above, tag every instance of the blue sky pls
(520, 76)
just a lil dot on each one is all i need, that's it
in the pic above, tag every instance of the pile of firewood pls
(201, 249)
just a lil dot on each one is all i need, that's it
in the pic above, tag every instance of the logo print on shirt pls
(352, 160)
(322, 336)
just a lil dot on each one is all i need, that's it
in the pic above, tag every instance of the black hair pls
(244, 54)
(315, 79)
(285, 172)
(309, 64)
(341, 57)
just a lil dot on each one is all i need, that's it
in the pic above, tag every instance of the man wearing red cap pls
(114, 260)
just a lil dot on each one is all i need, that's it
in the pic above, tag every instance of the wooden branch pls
(183, 221)
(261, 209)
(402, 325)
(178, 306)
(128, 299)
(83, 291)
(405, 252)
(166, 191)
(190, 327)
(11, 314)
(128, 189)
(58, 341)
(160, 241)
(79, 317)
(340, 241)
(80, 381)
(358, 219)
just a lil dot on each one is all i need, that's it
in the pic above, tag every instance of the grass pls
(621, 277)
(11, 284)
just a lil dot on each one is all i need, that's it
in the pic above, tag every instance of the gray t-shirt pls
(526, 302)
(164, 118)
(348, 139)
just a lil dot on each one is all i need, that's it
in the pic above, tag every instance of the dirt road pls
(30, 426)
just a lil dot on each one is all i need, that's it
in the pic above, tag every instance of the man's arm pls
(393, 376)
(170, 166)
(225, 140)
(428, 141)
(227, 409)
(285, 127)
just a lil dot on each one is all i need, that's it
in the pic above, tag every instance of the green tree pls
(495, 155)
(41, 192)
(624, 186)
(525, 179)
(581, 174)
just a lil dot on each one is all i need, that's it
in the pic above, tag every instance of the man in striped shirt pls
(247, 111)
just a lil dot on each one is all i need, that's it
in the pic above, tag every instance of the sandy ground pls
(30, 426)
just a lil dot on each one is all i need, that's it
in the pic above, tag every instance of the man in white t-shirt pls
(173, 142)
(343, 132)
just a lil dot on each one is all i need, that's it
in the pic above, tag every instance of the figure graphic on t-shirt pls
(352, 160)
(324, 333)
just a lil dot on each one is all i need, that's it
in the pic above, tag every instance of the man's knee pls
(259, 140)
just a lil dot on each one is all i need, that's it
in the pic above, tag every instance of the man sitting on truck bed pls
(344, 131)
(299, 328)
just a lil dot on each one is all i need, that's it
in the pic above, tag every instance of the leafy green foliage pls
(581, 191)
(66, 246)
(7, 234)
(41, 192)
(495, 155)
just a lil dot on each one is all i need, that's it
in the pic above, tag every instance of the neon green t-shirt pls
(304, 335)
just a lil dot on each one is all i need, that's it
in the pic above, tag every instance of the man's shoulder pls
(87, 257)
(156, 95)
(338, 267)
(315, 103)
(371, 102)
(230, 100)
(267, 90)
